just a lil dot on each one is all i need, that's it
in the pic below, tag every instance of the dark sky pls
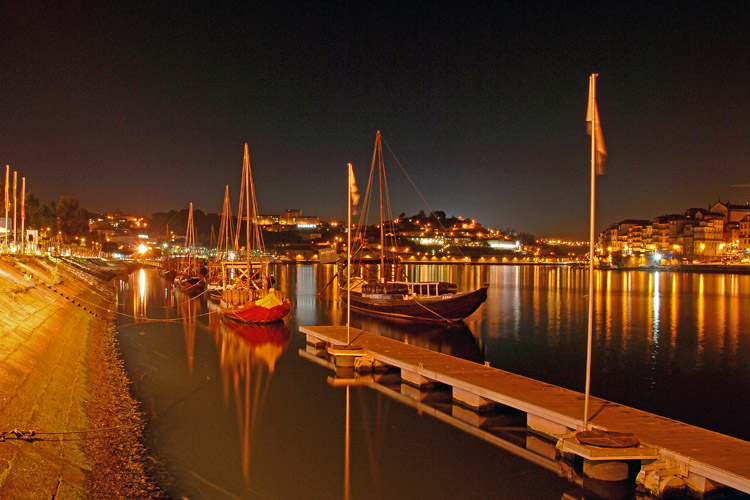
(146, 106)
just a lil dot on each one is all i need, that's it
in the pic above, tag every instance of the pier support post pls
(415, 379)
(470, 399)
(699, 486)
(317, 351)
(541, 446)
(345, 356)
(415, 393)
(471, 417)
(314, 341)
(606, 470)
(545, 427)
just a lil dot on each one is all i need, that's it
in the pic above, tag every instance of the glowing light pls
(142, 284)
(142, 248)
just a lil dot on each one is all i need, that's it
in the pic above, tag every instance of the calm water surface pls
(241, 412)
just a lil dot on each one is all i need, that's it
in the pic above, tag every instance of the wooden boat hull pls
(447, 307)
(168, 274)
(192, 286)
(253, 313)
(214, 294)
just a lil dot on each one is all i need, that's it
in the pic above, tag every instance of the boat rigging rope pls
(433, 312)
(335, 275)
(355, 338)
(418, 192)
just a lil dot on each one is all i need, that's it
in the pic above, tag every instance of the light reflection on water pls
(236, 410)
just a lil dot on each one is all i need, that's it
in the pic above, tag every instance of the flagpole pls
(347, 480)
(15, 205)
(7, 179)
(23, 215)
(592, 102)
(349, 252)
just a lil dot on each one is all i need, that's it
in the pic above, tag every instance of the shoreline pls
(62, 378)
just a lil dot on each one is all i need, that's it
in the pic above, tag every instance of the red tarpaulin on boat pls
(253, 313)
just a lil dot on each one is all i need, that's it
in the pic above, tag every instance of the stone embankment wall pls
(68, 427)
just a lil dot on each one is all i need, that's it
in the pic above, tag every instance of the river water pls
(244, 412)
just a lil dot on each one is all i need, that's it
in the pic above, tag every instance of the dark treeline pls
(177, 221)
(65, 216)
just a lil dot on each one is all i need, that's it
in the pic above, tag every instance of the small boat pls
(248, 295)
(269, 309)
(226, 249)
(167, 274)
(425, 301)
(192, 279)
(191, 286)
(379, 285)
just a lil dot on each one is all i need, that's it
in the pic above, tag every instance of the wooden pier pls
(703, 459)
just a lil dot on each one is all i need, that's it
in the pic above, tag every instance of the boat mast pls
(379, 148)
(190, 240)
(225, 229)
(246, 178)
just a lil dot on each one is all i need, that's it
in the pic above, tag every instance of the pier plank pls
(713, 455)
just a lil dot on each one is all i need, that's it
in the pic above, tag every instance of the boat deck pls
(717, 457)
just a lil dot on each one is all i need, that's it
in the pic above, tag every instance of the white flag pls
(353, 191)
(594, 126)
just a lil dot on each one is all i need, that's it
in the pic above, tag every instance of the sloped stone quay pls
(68, 426)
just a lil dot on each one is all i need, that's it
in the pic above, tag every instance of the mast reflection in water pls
(247, 355)
(240, 414)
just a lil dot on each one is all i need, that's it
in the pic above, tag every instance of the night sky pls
(146, 106)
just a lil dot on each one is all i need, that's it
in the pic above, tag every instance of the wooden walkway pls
(717, 457)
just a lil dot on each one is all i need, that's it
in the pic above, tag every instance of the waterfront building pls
(308, 226)
(5, 231)
(731, 212)
(624, 237)
(732, 236)
(697, 234)
(704, 237)
(661, 234)
(638, 236)
(744, 234)
(291, 219)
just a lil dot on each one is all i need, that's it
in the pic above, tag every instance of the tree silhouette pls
(72, 218)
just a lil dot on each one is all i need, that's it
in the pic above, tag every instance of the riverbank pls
(71, 429)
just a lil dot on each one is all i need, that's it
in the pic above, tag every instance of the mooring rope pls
(433, 312)
(132, 316)
(31, 435)
(179, 319)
